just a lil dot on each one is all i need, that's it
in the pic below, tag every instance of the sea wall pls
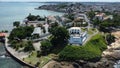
(16, 58)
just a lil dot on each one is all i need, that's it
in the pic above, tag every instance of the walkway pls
(16, 54)
(91, 36)
(37, 45)
(87, 20)
(45, 36)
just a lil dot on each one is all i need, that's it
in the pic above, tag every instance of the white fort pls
(77, 36)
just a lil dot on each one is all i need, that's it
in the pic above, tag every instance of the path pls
(50, 62)
(37, 45)
(45, 36)
(87, 20)
(16, 54)
(91, 36)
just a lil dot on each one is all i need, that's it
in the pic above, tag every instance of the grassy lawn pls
(33, 59)
(90, 31)
(96, 41)
(83, 29)
(91, 51)
(44, 60)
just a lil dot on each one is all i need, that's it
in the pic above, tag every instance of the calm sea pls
(10, 12)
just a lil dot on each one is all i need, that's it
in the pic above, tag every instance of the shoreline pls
(16, 58)
(50, 10)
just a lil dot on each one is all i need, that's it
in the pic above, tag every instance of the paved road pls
(42, 37)
(87, 20)
(91, 37)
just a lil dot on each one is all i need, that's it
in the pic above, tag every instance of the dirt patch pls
(55, 64)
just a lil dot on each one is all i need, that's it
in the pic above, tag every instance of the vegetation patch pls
(32, 58)
(44, 60)
(37, 61)
(21, 33)
(91, 51)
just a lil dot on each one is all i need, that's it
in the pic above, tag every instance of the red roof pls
(2, 34)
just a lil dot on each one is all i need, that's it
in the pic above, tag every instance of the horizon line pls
(65, 1)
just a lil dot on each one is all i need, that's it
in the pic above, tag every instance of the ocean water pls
(7, 62)
(10, 12)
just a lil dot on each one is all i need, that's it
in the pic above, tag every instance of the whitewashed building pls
(37, 30)
(77, 36)
(46, 26)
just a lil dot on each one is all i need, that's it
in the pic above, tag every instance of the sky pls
(62, 0)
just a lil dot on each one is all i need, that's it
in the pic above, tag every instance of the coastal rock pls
(113, 51)
(56, 64)
(76, 65)
(89, 65)
(106, 64)
(81, 62)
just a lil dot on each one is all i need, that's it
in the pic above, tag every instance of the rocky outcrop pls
(113, 50)
(56, 64)
(103, 63)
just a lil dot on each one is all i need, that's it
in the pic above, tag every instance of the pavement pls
(37, 45)
(17, 54)
(91, 36)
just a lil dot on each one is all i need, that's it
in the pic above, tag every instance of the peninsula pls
(81, 38)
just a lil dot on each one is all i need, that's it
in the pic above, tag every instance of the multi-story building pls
(77, 36)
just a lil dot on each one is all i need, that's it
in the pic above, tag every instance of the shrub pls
(60, 36)
(38, 53)
(29, 47)
(21, 32)
(110, 38)
(46, 47)
(16, 23)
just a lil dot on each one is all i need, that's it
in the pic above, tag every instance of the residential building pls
(103, 16)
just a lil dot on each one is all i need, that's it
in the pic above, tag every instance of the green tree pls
(46, 47)
(28, 30)
(91, 14)
(29, 47)
(60, 36)
(13, 43)
(21, 32)
(32, 17)
(53, 25)
(16, 23)
(110, 38)
(96, 22)
(104, 26)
